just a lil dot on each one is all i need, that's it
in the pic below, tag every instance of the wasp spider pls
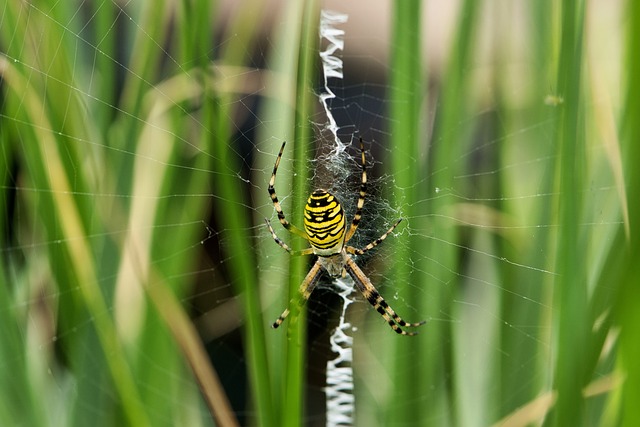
(326, 231)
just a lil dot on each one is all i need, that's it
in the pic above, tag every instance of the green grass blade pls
(230, 199)
(278, 116)
(627, 309)
(66, 218)
(407, 103)
(570, 287)
(308, 56)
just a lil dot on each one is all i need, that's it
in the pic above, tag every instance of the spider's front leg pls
(276, 203)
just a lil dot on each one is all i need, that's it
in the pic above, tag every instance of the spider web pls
(485, 215)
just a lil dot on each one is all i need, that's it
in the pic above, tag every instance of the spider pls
(326, 231)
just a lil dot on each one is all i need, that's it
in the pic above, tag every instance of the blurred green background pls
(138, 282)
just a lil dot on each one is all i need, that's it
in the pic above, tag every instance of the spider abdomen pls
(324, 223)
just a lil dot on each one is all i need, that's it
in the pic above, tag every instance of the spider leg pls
(362, 195)
(272, 192)
(369, 291)
(306, 287)
(286, 247)
(356, 251)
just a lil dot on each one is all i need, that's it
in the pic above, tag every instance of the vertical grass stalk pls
(307, 58)
(407, 102)
(570, 288)
(236, 221)
(627, 309)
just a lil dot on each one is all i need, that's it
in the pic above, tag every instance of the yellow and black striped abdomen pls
(324, 223)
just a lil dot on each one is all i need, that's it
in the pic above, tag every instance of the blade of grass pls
(236, 223)
(142, 68)
(59, 164)
(241, 260)
(189, 342)
(308, 55)
(44, 155)
(185, 88)
(18, 397)
(524, 301)
(449, 142)
(627, 311)
(407, 103)
(104, 83)
(570, 287)
(277, 117)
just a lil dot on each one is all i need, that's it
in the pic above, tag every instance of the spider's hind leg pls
(375, 299)
(306, 287)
